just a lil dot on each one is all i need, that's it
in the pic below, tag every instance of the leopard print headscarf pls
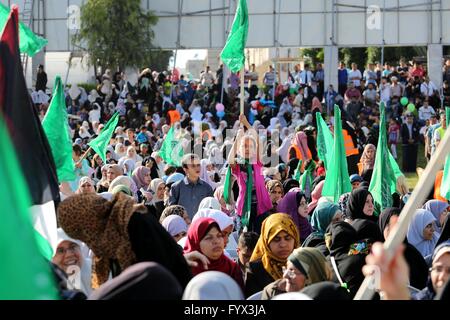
(103, 226)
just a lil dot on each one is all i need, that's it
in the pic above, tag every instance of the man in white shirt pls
(355, 75)
(428, 88)
(207, 78)
(385, 91)
(305, 77)
(425, 111)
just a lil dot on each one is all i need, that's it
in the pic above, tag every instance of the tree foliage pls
(116, 33)
(312, 55)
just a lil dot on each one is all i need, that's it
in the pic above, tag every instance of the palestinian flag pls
(28, 137)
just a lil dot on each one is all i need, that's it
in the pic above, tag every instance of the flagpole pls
(242, 89)
(84, 155)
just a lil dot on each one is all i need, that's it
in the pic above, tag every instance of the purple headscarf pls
(289, 205)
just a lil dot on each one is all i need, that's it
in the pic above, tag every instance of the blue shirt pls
(342, 76)
(189, 195)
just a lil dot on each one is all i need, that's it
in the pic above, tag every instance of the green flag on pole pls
(24, 273)
(171, 150)
(445, 184)
(233, 54)
(337, 180)
(100, 143)
(29, 43)
(383, 182)
(56, 127)
(324, 141)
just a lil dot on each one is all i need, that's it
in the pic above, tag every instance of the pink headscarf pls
(315, 196)
(316, 104)
(301, 141)
(138, 176)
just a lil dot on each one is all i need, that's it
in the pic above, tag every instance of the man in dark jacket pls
(410, 143)
(41, 79)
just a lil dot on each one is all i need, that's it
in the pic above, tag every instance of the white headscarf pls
(273, 123)
(204, 175)
(212, 285)
(84, 283)
(222, 219)
(210, 203)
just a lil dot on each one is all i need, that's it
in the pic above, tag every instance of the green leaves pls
(117, 33)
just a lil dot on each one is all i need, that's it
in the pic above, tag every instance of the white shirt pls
(425, 113)
(427, 89)
(355, 74)
(385, 92)
(207, 79)
(94, 115)
(305, 77)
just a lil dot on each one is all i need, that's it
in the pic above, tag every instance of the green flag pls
(29, 43)
(445, 184)
(171, 151)
(24, 273)
(383, 182)
(233, 54)
(100, 143)
(324, 140)
(56, 127)
(337, 180)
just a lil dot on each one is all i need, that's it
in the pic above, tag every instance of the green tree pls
(158, 59)
(312, 56)
(116, 33)
(356, 55)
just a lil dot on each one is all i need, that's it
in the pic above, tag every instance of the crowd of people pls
(241, 214)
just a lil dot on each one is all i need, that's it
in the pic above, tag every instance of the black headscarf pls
(289, 184)
(385, 217)
(151, 242)
(356, 203)
(154, 170)
(141, 281)
(326, 290)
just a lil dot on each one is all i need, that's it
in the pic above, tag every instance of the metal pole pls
(180, 8)
(242, 89)
(382, 33)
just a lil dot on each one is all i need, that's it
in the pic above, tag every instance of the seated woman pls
(421, 232)
(439, 210)
(176, 226)
(279, 237)
(275, 189)
(86, 185)
(367, 160)
(120, 233)
(294, 204)
(69, 257)
(156, 204)
(305, 266)
(324, 214)
(360, 205)
(204, 236)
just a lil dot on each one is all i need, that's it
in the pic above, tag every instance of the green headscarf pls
(322, 217)
(311, 263)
